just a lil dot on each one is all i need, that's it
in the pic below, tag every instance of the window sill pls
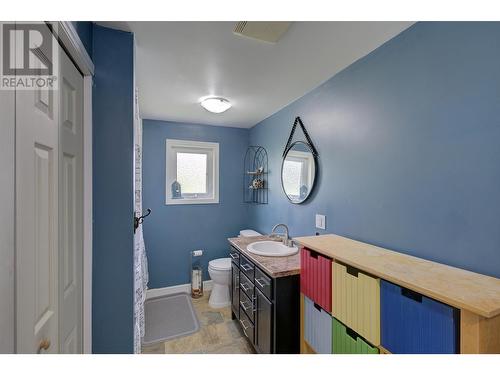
(181, 201)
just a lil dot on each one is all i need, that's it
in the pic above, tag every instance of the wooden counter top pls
(273, 266)
(462, 289)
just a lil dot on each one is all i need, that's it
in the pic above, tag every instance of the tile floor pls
(218, 334)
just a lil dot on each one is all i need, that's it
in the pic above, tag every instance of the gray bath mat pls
(169, 317)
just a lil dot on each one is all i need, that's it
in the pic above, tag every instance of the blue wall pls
(409, 145)
(112, 292)
(84, 29)
(172, 231)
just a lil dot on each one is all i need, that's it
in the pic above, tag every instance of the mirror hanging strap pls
(306, 134)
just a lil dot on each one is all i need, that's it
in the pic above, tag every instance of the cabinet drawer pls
(246, 286)
(316, 278)
(264, 283)
(317, 327)
(247, 326)
(247, 304)
(234, 255)
(356, 301)
(415, 324)
(346, 341)
(247, 267)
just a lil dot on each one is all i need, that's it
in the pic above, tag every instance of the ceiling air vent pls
(269, 32)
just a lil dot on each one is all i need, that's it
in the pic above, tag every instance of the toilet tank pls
(249, 233)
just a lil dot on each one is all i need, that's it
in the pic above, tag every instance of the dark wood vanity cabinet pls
(267, 308)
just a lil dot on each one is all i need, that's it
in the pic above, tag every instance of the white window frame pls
(212, 150)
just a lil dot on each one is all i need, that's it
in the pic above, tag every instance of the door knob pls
(44, 345)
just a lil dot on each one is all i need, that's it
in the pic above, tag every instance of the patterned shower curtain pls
(140, 260)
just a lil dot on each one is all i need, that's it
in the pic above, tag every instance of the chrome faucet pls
(287, 241)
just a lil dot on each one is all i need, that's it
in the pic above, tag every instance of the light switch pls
(320, 221)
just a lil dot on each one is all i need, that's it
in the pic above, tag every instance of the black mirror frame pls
(315, 158)
(311, 147)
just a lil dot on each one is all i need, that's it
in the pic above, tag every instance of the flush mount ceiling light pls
(216, 105)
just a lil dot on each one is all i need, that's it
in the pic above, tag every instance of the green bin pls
(346, 341)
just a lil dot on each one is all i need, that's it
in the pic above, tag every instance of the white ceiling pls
(180, 62)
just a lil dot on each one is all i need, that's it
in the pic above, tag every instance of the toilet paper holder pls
(196, 274)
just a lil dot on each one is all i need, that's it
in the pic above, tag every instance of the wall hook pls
(140, 219)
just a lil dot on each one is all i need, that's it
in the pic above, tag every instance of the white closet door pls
(7, 224)
(37, 219)
(70, 205)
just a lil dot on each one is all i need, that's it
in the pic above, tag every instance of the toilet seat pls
(221, 264)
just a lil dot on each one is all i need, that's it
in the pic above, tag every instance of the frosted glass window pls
(192, 173)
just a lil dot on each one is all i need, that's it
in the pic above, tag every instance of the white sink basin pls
(271, 249)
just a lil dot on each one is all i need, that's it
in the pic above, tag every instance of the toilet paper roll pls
(197, 253)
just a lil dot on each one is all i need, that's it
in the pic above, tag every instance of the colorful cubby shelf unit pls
(362, 299)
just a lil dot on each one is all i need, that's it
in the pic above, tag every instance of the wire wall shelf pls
(255, 175)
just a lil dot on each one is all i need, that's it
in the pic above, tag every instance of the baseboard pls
(169, 290)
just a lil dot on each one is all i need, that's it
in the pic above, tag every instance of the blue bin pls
(414, 324)
(317, 327)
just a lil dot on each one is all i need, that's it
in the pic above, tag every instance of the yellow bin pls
(356, 301)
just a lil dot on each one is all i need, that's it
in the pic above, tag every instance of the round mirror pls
(298, 172)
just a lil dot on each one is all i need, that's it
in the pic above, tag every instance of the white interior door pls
(7, 225)
(49, 214)
(37, 154)
(70, 205)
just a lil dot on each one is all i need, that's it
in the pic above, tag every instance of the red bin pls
(316, 278)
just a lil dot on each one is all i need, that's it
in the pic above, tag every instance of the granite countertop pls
(273, 266)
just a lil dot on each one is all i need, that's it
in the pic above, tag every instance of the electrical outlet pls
(320, 221)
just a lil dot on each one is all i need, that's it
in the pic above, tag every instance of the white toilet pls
(220, 273)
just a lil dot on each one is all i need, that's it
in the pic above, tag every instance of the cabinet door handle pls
(261, 282)
(234, 255)
(244, 287)
(244, 306)
(237, 282)
(244, 327)
(246, 267)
